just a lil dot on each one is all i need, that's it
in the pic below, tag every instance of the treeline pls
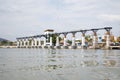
(6, 43)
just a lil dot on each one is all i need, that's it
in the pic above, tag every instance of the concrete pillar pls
(44, 41)
(108, 39)
(73, 40)
(95, 41)
(39, 42)
(18, 43)
(32, 43)
(21, 43)
(83, 40)
(35, 41)
(28, 44)
(65, 40)
(24, 41)
(57, 41)
(50, 41)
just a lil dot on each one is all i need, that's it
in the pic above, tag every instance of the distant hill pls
(1, 39)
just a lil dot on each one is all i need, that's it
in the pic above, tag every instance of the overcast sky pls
(30, 17)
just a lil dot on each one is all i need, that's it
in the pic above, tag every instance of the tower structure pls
(48, 33)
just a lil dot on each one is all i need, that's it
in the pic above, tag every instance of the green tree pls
(118, 39)
(88, 38)
(4, 42)
(54, 36)
(69, 41)
(11, 43)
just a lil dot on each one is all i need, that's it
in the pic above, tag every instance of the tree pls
(69, 41)
(4, 42)
(88, 38)
(118, 39)
(54, 36)
(11, 43)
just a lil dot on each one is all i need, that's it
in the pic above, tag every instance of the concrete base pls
(73, 47)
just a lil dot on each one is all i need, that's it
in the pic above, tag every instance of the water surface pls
(59, 64)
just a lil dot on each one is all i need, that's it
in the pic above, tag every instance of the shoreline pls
(64, 47)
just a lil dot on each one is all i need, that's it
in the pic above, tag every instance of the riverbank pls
(65, 47)
(8, 46)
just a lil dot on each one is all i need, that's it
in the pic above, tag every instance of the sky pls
(19, 18)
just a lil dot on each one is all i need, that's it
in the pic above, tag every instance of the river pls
(59, 64)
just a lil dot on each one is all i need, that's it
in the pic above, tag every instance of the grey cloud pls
(30, 17)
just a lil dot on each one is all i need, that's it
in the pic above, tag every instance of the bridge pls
(35, 41)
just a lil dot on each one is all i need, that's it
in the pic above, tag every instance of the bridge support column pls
(83, 39)
(27, 45)
(50, 41)
(95, 40)
(32, 43)
(65, 41)
(21, 43)
(73, 41)
(39, 42)
(51, 44)
(18, 44)
(57, 42)
(45, 46)
(108, 38)
(35, 41)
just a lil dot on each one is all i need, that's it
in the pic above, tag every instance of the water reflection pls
(61, 64)
(56, 59)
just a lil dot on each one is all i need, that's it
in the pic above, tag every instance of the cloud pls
(77, 1)
(109, 17)
(27, 17)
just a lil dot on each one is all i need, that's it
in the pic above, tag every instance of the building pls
(47, 32)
